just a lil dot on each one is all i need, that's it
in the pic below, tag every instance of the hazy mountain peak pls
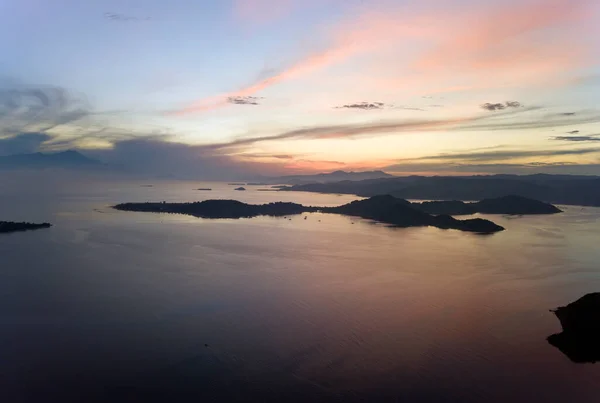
(39, 160)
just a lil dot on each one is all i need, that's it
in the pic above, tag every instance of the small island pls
(8, 226)
(580, 338)
(241, 189)
(509, 205)
(206, 189)
(384, 209)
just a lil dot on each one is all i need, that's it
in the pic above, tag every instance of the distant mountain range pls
(325, 177)
(557, 189)
(63, 159)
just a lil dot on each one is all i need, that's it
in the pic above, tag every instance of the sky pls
(218, 89)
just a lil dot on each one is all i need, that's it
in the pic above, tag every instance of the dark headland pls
(7, 226)
(580, 321)
(385, 209)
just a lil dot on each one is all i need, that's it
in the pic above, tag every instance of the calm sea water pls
(126, 307)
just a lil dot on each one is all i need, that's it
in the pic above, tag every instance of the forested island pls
(8, 226)
(385, 209)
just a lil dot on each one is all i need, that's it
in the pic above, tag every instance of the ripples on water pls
(118, 306)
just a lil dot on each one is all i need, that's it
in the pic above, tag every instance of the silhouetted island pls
(204, 189)
(580, 321)
(402, 213)
(7, 226)
(240, 188)
(218, 208)
(514, 205)
(385, 209)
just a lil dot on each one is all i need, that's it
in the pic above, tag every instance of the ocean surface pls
(110, 306)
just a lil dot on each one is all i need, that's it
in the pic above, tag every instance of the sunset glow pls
(331, 84)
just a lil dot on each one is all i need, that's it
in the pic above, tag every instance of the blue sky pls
(315, 85)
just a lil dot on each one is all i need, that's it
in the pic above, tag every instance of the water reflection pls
(120, 305)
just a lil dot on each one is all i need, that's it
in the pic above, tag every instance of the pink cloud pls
(506, 46)
(310, 64)
(367, 34)
(494, 34)
(487, 45)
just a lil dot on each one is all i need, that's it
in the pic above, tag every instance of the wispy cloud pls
(583, 139)
(39, 109)
(486, 122)
(370, 106)
(123, 17)
(247, 100)
(410, 108)
(366, 106)
(500, 106)
(440, 168)
(268, 156)
(341, 131)
(503, 155)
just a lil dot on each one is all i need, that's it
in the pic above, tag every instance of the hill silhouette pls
(326, 177)
(557, 189)
(63, 159)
